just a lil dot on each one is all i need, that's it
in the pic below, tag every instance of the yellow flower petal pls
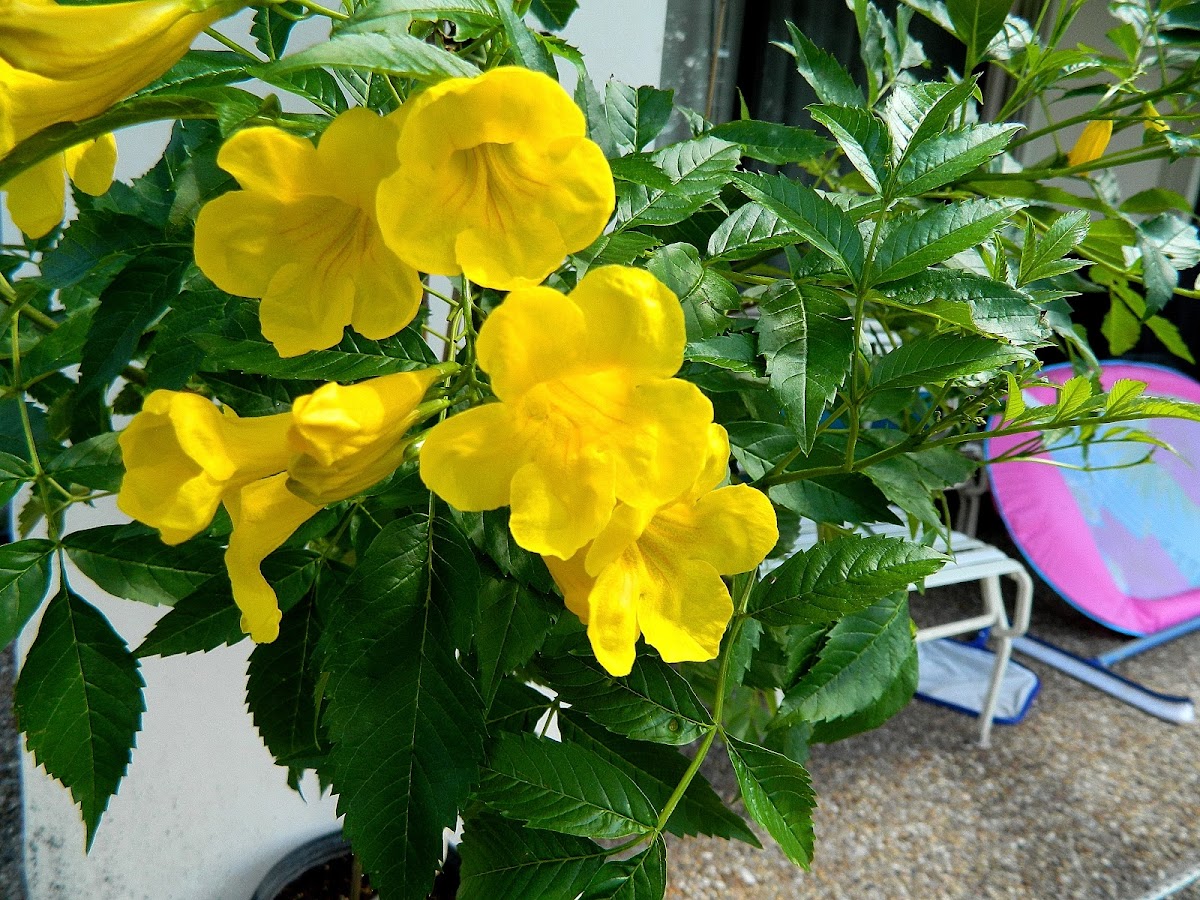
(264, 515)
(182, 456)
(534, 336)
(684, 613)
(1092, 142)
(558, 506)
(574, 582)
(1153, 121)
(349, 438)
(633, 320)
(497, 179)
(716, 463)
(613, 616)
(68, 63)
(37, 196)
(624, 528)
(732, 529)
(469, 460)
(302, 235)
(90, 165)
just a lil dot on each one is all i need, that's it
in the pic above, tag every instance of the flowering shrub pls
(559, 463)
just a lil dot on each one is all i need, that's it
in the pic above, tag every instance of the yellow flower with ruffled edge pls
(183, 456)
(1092, 142)
(588, 414)
(657, 573)
(302, 236)
(69, 63)
(37, 197)
(497, 180)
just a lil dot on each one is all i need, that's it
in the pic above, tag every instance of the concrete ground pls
(11, 883)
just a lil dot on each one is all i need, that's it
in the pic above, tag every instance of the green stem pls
(231, 44)
(322, 10)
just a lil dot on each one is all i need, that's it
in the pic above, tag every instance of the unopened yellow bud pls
(1092, 142)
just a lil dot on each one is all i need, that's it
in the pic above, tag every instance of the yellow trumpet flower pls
(69, 63)
(302, 235)
(1092, 142)
(497, 180)
(657, 573)
(37, 197)
(588, 414)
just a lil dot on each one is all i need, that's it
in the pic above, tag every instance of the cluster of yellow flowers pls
(610, 464)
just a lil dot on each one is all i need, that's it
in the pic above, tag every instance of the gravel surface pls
(1086, 798)
(11, 866)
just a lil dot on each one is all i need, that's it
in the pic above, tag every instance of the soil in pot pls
(331, 881)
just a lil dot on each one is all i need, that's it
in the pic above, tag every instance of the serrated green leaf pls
(915, 113)
(94, 463)
(14, 473)
(641, 877)
(205, 619)
(563, 787)
(937, 358)
(506, 861)
(822, 71)
(893, 699)
(915, 242)
(838, 577)
(60, 348)
(807, 336)
(733, 352)
(706, 296)
(950, 155)
(773, 143)
(270, 29)
(698, 169)
(858, 662)
(750, 230)
(79, 703)
(281, 686)
(810, 215)
(862, 137)
(489, 532)
(516, 707)
(24, 580)
(317, 86)
(517, 622)
(657, 770)
(976, 22)
(381, 52)
(128, 306)
(132, 562)
(523, 45)
(405, 720)
(778, 794)
(652, 703)
(1044, 258)
(200, 68)
(1168, 332)
(966, 299)
(554, 14)
(636, 115)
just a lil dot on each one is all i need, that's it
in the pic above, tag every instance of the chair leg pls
(988, 713)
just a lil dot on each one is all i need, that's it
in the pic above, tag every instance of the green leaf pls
(951, 155)
(750, 230)
(915, 242)
(60, 348)
(200, 68)
(838, 577)
(657, 770)
(859, 661)
(14, 473)
(554, 14)
(861, 136)
(817, 220)
(972, 301)
(807, 336)
(317, 86)
(128, 306)
(652, 703)
(1156, 200)
(1044, 258)
(281, 686)
(381, 52)
(778, 794)
(976, 22)
(506, 861)
(94, 463)
(24, 580)
(95, 240)
(205, 619)
(524, 47)
(518, 621)
(893, 699)
(132, 562)
(1168, 332)
(915, 113)
(937, 358)
(271, 29)
(405, 720)
(636, 115)
(564, 788)
(78, 702)
(489, 532)
(823, 73)
(697, 170)
(705, 295)
(733, 352)
(641, 877)
(773, 143)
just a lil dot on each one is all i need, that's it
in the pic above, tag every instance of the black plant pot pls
(328, 859)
